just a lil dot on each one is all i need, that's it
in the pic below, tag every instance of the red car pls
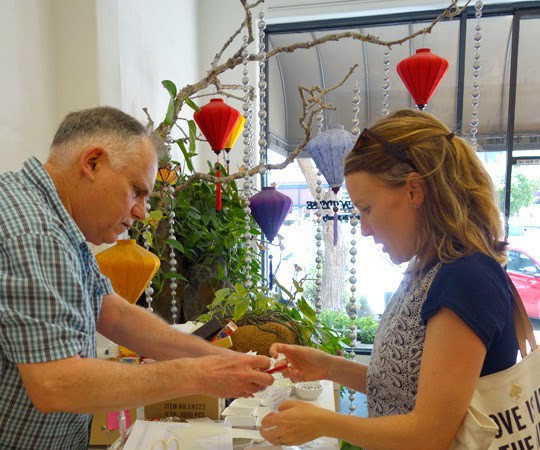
(524, 270)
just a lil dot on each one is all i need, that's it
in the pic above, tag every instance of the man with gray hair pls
(53, 298)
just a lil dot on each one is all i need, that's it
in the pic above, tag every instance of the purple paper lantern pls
(269, 208)
(328, 151)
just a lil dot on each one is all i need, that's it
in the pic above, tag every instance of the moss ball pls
(260, 338)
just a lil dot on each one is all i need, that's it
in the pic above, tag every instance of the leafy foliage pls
(366, 326)
(522, 193)
(257, 306)
(203, 236)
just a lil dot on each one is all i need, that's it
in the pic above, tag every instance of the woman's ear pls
(90, 160)
(416, 190)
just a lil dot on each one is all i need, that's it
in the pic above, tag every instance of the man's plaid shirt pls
(51, 291)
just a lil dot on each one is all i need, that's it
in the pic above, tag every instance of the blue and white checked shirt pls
(51, 291)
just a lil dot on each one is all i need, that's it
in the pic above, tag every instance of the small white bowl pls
(309, 390)
(241, 443)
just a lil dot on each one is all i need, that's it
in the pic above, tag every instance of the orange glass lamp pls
(129, 266)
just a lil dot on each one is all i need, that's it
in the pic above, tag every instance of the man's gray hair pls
(103, 125)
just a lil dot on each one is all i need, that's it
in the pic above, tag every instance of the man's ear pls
(91, 159)
(417, 187)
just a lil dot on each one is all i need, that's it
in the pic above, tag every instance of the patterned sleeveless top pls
(392, 376)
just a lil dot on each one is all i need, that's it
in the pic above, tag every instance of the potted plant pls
(257, 307)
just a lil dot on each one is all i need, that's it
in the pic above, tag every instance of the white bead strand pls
(247, 108)
(475, 93)
(149, 290)
(386, 84)
(172, 258)
(353, 221)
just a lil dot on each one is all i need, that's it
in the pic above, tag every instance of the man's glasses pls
(395, 150)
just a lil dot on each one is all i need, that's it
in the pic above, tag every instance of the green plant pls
(207, 246)
(522, 193)
(366, 326)
(257, 306)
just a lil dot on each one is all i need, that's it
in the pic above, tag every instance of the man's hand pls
(232, 376)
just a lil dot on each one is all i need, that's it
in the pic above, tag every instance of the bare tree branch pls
(311, 104)
(312, 98)
(247, 24)
(450, 12)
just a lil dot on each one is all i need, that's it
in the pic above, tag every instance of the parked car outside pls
(524, 270)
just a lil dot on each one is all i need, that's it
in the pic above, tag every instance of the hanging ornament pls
(386, 83)
(269, 207)
(421, 74)
(318, 231)
(351, 307)
(247, 108)
(475, 93)
(262, 92)
(328, 151)
(319, 257)
(231, 140)
(168, 173)
(216, 121)
(147, 244)
(355, 109)
(129, 266)
(172, 256)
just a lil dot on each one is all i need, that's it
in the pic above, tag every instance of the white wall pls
(75, 55)
(62, 55)
(27, 89)
(158, 41)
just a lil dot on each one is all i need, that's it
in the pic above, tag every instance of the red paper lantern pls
(216, 121)
(421, 73)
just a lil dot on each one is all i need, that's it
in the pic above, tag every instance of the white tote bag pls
(504, 413)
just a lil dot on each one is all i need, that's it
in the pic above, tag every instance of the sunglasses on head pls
(395, 150)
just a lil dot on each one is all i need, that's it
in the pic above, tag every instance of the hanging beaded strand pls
(262, 103)
(353, 222)
(262, 92)
(149, 290)
(173, 285)
(475, 94)
(172, 257)
(318, 233)
(247, 139)
(386, 84)
(351, 307)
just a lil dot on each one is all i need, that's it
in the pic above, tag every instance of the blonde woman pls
(423, 193)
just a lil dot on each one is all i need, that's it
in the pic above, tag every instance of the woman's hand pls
(305, 363)
(295, 423)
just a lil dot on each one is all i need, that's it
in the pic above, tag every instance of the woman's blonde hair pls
(459, 214)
